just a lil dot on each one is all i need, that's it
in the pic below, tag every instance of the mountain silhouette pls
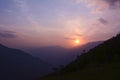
(57, 55)
(100, 63)
(18, 65)
(54, 55)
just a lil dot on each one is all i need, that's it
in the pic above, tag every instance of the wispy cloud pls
(103, 21)
(23, 6)
(115, 3)
(69, 38)
(8, 34)
(78, 34)
(99, 6)
(8, 11)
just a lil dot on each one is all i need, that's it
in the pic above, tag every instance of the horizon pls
(65, 23)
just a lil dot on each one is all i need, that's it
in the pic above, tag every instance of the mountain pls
(57, 55)
(18, 65)
(86, 47)
(100, 63)
(54, 55)
(77, 51)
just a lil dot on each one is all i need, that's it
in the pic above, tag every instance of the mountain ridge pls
(100, 63)
(57, 55)
(19, 65)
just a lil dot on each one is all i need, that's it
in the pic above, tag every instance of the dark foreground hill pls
(100, 63)
(18, 65)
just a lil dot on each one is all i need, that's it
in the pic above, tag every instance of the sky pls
(37, 23)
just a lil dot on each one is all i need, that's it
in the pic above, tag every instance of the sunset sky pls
(34, 23)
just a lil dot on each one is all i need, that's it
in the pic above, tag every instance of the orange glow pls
(77, 41)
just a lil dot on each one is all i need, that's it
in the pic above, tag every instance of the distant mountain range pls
(57, 55)
(18, 65)
(100, 63)
(93, 61)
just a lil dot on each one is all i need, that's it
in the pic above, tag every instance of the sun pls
(77, 41)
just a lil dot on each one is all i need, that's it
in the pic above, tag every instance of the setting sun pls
(77, 41)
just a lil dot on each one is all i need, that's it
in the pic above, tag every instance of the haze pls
(34, 23)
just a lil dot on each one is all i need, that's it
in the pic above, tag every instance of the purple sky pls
(34, 23)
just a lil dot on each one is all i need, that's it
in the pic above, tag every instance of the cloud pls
(8, 11)
(24, 7)
(103, 21)
(69, 38)
(99, 6)
(113, 2)
(8, 34)
(78, 34)
(110, 3)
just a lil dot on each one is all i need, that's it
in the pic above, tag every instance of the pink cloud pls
(99, 6)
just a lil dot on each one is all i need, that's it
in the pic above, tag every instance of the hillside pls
(54, 55)
(57, 55)
(100, 63)
(18, 65)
